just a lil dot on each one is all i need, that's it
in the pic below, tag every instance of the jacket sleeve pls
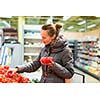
(65, 70)
(31, 67)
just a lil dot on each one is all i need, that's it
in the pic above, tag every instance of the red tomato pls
(19, 78)
(2, 71)
(6, 67)
(41, 60)
(10, 73)
(0, 79)
(46, 60)
(10, 76)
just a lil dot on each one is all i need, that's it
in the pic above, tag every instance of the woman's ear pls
(53, 37)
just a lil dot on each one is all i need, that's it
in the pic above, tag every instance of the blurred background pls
(70, 23)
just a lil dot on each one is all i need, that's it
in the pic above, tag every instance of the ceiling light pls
(4, 24)
(70, 27)
(80, 19)
(6, 16)
(90, 26)
(82, 29)
(97, 16)
(66, 18)
(49, 20)
(80, 23)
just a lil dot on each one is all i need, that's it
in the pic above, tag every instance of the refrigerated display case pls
(12, 55)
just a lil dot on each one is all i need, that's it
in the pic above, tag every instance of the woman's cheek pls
(46, 42)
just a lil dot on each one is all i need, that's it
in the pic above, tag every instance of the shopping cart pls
(77, 78)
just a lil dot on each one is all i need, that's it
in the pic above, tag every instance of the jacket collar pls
(56, 46)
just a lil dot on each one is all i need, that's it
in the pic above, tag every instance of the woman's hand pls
(14, 69)
(47, 61)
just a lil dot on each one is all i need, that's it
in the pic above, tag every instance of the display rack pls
(87, 57)
(71, 44)
(11, 54)
(32, 42)
(10, 35)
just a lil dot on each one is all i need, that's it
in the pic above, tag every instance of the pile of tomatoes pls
(7, 75)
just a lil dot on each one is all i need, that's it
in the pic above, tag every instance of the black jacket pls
(63, 67)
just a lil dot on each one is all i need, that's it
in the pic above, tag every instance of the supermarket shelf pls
(87, 56)
(31, 54)
(84, 70)
(32, 41)
(32, 37)
(33, 46)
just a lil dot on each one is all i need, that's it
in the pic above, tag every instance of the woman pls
(60, 65)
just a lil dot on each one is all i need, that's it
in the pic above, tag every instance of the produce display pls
(8, 75)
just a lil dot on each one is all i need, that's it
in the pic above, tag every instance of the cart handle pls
(81, 75)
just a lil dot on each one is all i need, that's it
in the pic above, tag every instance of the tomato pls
(6, 67)
(25, 80)
(0, 79)
(18, 78)
(10, 76)
(46, 60)
(2, 71)
(10, 73)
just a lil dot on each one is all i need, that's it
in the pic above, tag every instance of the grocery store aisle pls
(88, 78)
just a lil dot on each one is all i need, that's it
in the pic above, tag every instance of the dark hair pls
(52, 29)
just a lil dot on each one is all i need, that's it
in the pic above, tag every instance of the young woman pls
(55, 58)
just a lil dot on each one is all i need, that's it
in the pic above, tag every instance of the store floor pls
(88, 78)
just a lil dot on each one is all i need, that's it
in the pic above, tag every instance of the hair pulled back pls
(52, 29)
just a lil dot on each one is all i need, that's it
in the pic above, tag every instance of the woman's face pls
(46, 39)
